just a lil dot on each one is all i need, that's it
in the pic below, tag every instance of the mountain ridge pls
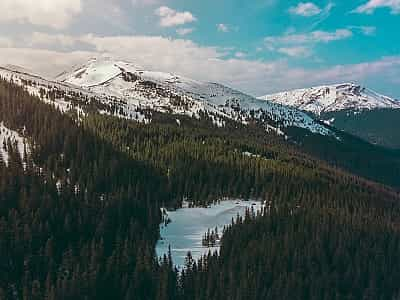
(331, 98)
(129, 90)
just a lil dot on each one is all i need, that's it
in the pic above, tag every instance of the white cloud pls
(305, 9)
(227, 28)
(298, 51)
(366, 30)
(44, 62)
(317, 36)
(326, 37)
(184, 31)
(240, 54)
(154, 52)
(372, 5)
(361, 71)
(223, 27)
(187, 58)
(170, 17)
(5, 42)
(145, 2)
(56, 14)
(41, 39)
(301, 44)
(324, 15)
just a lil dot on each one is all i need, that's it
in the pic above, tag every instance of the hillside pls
(377, 126)
(128, 92)
(90, 194)
(165, 92)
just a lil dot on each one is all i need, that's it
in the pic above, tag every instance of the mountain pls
(126, 90)
(330, 98)
(123, 90)
(80, 213)
(348, 107)
(166, 92)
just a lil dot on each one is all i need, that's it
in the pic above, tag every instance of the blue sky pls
(258, 46)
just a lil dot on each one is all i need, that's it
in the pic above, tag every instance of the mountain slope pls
(120, 89)
(351, 108)
(323, 99)
(168, 92)
(8, 139)
(377, 126)
(124, 90)
(81, 221)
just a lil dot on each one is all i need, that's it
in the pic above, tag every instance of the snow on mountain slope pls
(7, 135)
(67, 97)
(125, 90)
(167, 92)
(135, 86)
(96, 73)
(332, 98)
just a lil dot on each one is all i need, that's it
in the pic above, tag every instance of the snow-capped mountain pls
(67, 97)
(330, 98)
(169, 92)
(126, 90)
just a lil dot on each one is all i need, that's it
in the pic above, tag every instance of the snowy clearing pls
(188, 225)
(7, 134)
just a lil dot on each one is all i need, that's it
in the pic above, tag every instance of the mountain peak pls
(96, 71)
(18, 69)
(337, 97)
(161, 91)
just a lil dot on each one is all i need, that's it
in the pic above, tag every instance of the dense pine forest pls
(375, 126)
(79, 213)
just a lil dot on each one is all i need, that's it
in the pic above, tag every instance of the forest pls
(79, 213)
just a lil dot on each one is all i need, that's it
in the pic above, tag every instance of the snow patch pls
(15, 138)
(187, 227)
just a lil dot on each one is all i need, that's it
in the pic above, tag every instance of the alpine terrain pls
(137, 161)
(124, 90)
(349, 107)
(112, 175)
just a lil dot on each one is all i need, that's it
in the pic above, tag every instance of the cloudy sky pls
(258, 46)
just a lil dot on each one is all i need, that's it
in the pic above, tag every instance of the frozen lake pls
(188, 226)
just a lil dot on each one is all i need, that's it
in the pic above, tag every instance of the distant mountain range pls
(330, 98)
(330, 131)
(349, 107)
(129, 91)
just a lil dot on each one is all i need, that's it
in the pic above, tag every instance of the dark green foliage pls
(81, 220)
(79, 216)
(302, 254)
(354, 155)
(378, 126)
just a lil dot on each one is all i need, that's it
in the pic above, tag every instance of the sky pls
(256, 46)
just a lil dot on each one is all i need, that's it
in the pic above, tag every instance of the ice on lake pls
(188, 225)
